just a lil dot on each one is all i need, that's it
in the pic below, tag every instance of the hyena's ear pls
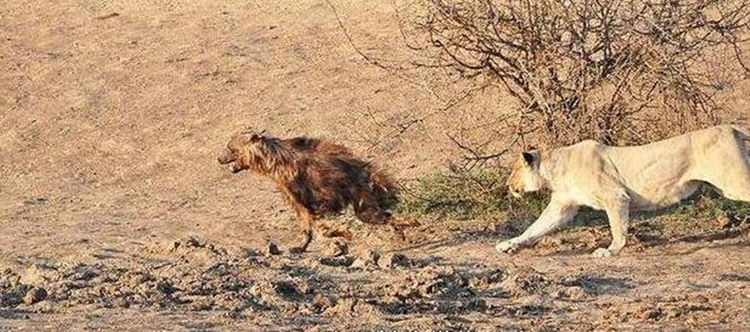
(531, 157)
(258, 136)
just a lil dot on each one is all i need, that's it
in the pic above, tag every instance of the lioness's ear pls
(530, 157)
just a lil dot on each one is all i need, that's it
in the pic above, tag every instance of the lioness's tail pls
(384, 188)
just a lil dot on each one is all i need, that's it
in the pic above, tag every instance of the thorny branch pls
(620, 71)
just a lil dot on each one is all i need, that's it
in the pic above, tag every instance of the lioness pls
(620, 179)
(316, 177)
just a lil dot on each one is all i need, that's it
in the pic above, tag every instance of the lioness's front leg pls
(618, 216)
(557, 213)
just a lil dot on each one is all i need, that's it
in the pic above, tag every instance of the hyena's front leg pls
(305, 217)
(557, 213)
(306, 220)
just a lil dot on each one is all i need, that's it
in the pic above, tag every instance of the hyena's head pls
(242, 150)
(525, 176)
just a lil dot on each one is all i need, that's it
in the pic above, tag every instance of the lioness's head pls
(525, 176)
(240, 150)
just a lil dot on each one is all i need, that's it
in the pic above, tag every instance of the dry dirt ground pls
(115, 215)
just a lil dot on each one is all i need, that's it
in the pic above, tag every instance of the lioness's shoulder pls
(585, 146)
(576, 156)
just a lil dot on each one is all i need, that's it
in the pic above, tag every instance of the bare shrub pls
(619, 71)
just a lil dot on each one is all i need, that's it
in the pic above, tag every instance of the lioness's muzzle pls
(226, 157)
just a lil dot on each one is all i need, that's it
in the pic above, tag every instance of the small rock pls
(287, 289)
(38, 275)
(166, 287)
(574, 293)
(272, 249)
(35, 295)
(350, 307)
(652, 313)
(337, 261)
(13, 296)
(44, 307)
(138, 279)
(344, 307)
(335, 248)
(394, 260)
(368, 259)
(525, 282)
(202, 304)
(322, 302)
(188, 242)
(86, 272)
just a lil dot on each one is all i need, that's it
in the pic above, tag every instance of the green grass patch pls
(467, 195)
(709, 204)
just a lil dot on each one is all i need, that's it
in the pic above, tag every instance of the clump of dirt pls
(34, 295)
(350, 307)
(689, 310)
(38, 275)
(271, 249)
(443, 290)
(335, 248)
(367, 260)
(343, 261)
(522, 282)
(395, 260)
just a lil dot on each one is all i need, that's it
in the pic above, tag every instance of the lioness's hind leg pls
(729, 171)
(737, 194)
(735, 188)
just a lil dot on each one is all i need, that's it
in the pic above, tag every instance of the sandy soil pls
(115, 214)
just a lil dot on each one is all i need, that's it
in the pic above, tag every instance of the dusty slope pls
(110, 127)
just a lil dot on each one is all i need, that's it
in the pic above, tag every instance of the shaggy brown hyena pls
(317, 177)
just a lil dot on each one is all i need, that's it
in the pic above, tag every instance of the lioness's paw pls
(506, 247)
(602, 252)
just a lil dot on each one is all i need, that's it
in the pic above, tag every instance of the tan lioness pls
(620, 179)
